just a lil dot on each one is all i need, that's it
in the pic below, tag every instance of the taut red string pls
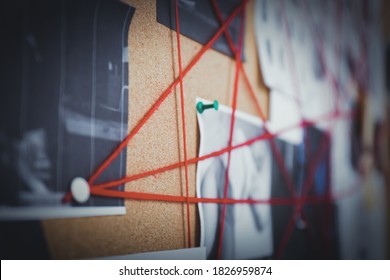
(232, 122)
(183, 120)
(276, 152)
(263, 137)
(194, 200)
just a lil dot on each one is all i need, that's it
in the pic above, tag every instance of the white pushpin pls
(80, 189)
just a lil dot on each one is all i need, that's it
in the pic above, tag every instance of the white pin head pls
(80, 189)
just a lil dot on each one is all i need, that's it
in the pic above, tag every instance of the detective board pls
(151, 226)
(155, 152)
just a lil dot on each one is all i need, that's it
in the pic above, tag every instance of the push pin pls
(201, 107)
(80, 189)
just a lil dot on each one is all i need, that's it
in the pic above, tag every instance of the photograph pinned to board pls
(65, 107)
(287, 54)
(198, 20)
(308, 168)
(272, 50)
(248, 227)
(335, 49)
(313, 50)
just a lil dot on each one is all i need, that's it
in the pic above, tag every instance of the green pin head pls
(216, 105)
(201, 107)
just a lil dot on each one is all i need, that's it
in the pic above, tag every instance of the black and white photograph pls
(248, 227)
(66, 104)
(198, 20)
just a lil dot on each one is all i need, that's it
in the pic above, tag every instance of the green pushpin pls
(201, 107)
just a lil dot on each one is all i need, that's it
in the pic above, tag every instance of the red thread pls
(232, 122)
(263, 137)
(287, 233)
(183, 120)
(194, 200)
(275, 150)
(161, 99)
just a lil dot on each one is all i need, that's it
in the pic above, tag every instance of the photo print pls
(64, 107)
(198, 20)
(248, 227)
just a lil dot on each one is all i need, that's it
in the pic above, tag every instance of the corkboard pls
(151, 226)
